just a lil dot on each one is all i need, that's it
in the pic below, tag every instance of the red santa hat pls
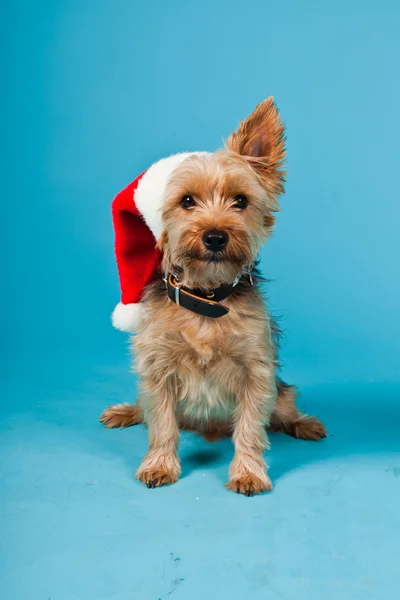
(136, 213)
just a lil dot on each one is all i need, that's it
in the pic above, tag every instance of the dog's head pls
(217, 211)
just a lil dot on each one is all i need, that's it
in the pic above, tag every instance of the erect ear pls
(260, 140)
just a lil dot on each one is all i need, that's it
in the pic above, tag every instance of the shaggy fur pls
(216, 376)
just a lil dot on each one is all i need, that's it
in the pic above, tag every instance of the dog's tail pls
(122, 415)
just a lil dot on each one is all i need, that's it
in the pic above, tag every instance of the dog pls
(199, 371)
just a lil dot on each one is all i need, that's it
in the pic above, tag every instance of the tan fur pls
(285, 418)
(259, 136)
(122, 415)
(215, 376)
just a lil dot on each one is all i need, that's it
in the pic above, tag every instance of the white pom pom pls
(127, 317)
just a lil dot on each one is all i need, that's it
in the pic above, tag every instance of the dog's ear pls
(260, 140)
(163, 241)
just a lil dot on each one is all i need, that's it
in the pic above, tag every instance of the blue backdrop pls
(93, 93)
(97, 92)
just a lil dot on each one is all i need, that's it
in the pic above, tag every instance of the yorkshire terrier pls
(206, 349)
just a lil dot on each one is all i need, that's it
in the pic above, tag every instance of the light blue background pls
(93, 93)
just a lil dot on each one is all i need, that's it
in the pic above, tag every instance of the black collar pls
(199, 302)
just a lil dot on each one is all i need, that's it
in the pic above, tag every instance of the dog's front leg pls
(255, 402)
(161, 464)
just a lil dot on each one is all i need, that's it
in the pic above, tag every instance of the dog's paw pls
(120, 415)
(309, 428)
(157, 476)
(250, 484)
(159, 469)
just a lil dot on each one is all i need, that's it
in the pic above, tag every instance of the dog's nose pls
(215, 240)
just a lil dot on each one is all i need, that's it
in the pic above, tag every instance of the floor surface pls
(75, 524)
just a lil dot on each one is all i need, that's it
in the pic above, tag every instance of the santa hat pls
(136, 213)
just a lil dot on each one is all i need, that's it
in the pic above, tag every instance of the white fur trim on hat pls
(127, 317)
(149, 194)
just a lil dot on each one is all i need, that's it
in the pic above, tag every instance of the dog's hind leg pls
(123, 415)
(288, 419)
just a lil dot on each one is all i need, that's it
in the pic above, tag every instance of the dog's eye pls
(188, 202)
(241, 202)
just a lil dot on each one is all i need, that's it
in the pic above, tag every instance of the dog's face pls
(217, 211)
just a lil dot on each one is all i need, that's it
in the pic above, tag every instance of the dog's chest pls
(208, 358)
(210, 361)
(205, 347)
(206, 367)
